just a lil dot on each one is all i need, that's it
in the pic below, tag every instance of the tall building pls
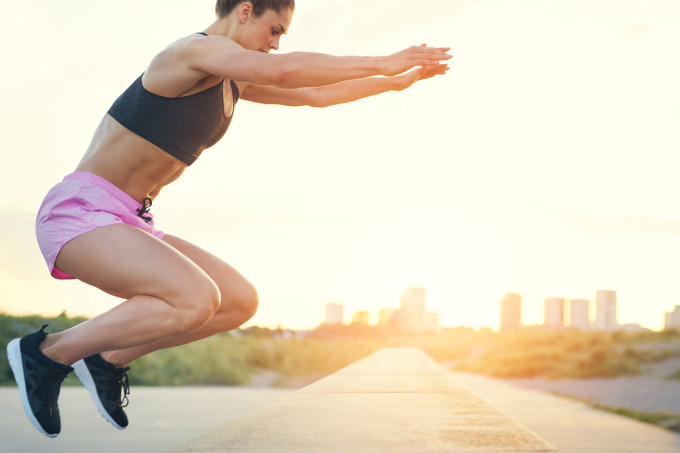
(386, 316)
(334, 313)
(432, 321)
(606, 310)
(553, 312)
(579, 314)
(412, 309)
(361, 317)
(412, 315)
(511, 312)
(672, 319)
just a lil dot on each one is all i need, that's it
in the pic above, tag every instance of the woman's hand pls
(425, 72)
(422, 55)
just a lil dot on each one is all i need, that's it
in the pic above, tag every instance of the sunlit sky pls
(544, 163)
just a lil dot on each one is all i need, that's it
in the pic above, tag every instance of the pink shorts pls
(81, 203)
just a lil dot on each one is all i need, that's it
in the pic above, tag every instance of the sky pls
(544, 163)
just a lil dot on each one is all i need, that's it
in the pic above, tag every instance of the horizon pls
(374, 321)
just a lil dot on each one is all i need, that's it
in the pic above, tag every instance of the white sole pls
(85, 377)
(15, 362)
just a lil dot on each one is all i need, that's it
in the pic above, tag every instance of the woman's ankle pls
(50, 348)
(114, 358)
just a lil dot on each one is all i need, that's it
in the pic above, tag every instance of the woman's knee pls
(243, 301)
(250, 301)
(200, 301)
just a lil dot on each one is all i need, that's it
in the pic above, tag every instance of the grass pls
(13, 327)
(565, 354)
(226, 359)
(669, 421)
(223, 359)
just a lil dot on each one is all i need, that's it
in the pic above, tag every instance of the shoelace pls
(122, 378)
(145, 210)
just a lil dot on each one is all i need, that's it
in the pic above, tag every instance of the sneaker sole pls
(15, 362)
(85, 377)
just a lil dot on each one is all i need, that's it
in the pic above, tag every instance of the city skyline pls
(557, 313)
(411, 316)
(577, 314)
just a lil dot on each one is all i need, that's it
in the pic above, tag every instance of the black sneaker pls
(39, 379)
(106, 384)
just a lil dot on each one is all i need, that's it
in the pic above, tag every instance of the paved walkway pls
(396, 400)
(165, 418)
(569, 425)
(160, 419)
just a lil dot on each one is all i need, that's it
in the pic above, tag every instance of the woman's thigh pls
(236, 292)
(125, 261)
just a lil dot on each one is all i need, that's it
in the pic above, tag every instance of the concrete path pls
(569, 425)
(165, 418)
(160, 419)
(396, 400)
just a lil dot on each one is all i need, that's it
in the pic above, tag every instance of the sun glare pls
(446, 291)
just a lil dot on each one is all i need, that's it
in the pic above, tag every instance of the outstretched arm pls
(339, 93)
(222, 57)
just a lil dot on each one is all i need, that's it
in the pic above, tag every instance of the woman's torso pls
(134, 164)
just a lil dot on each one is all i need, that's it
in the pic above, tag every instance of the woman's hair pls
(224, 7)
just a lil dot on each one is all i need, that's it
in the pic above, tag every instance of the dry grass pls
(228, 360)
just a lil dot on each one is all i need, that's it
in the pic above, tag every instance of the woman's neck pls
(224, 27)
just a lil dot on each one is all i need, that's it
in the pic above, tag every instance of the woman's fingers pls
(415, 56)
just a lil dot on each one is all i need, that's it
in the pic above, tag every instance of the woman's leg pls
(167, 293)
(239, 303)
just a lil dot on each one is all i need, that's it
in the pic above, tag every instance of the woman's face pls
(264, 32)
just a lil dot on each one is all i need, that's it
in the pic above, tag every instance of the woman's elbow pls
(279, 77)
(283, 75)
(317, 99)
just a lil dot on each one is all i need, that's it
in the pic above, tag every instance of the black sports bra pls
(182, 126)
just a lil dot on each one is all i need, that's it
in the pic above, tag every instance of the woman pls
(95, 225)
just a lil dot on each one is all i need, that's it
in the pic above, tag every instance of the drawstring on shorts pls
(145, 210)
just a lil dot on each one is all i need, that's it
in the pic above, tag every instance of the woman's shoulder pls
(171, 72)
(188, 49)
(199, 41)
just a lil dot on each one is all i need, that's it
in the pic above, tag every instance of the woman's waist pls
(134, 165)
(138, 181)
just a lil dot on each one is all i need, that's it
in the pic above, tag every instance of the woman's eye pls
(275, 32)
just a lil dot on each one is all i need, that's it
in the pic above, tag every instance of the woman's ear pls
(245, 12)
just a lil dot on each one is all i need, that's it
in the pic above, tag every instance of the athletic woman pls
(95, 226)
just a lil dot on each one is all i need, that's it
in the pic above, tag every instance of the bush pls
(226, 359)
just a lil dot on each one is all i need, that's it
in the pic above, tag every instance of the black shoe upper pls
(43, 377)
(112, 387)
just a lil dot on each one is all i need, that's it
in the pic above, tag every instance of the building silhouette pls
(511, 312)
(432, 321)
(672, 319)
(412, 315)
(553, 312)
(579, 314)
(606, 310)
(361, 317)
(413, 308)
(334, 313)
(386, 316)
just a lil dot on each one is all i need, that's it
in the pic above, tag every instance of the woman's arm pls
(222, 57)
(338, 93)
